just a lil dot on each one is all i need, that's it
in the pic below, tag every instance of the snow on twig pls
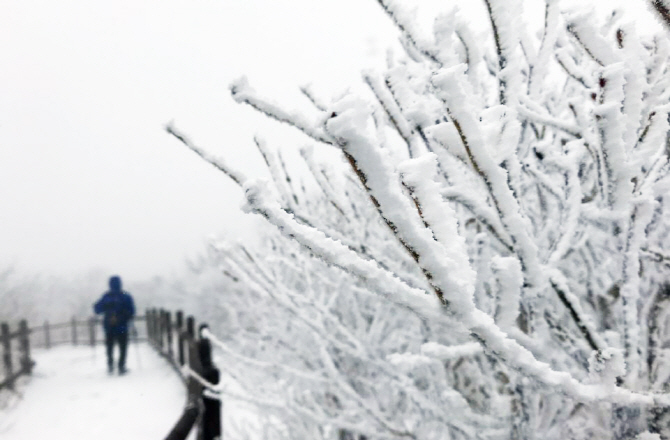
(450, 352)
(332, 252)
(217, 162)
(450, 87)
(257, 363)
(243, 93)
(405, 25)
(532, 112)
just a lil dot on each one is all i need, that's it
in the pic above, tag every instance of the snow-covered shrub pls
(503, 196)
(310, 344)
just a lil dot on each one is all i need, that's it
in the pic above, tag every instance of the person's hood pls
(115, 284)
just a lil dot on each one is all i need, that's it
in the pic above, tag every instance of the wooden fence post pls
(91, 330)
(147, 314)
(152, 327)
(24, 348)
(197, 350)
(180, 337)
(156, 330)
(161, 324)
(190, 326)
(168, 331)
(47, 335)
(74, 331)
(7, 354)
(193, 405)
(190, 337)
(210, 422)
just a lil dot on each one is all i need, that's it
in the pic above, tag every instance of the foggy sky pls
(88, 177)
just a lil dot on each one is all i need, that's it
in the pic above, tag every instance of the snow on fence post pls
(7, 355)
(210, 422)
(47, 335)
(180, 337)
(91, 330)
(24, 348)
(74, 331)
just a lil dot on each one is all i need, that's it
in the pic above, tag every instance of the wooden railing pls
(16, 345)
(11, 355)
(78, 332)
(175, 339)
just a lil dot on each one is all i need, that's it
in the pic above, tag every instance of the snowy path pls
(71, 397)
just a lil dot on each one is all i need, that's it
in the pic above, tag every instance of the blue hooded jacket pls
(118, 308)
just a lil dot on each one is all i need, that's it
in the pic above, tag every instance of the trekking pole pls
(137, 342)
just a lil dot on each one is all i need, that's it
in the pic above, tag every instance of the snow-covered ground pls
(70, 396)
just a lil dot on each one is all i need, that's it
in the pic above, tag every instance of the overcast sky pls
(88, 177)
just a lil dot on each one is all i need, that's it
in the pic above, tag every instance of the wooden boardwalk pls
(70, 396)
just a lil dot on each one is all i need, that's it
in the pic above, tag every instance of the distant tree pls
(13, 293)
(504, 197)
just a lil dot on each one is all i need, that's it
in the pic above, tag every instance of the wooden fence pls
(16, 362)
(78, 332)
(175, 338)
(16, 345)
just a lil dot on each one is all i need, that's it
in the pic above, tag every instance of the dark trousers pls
(112, 338)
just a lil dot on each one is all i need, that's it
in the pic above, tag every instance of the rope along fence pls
(190, 354)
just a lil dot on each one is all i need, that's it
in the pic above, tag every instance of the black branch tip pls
(619, 37)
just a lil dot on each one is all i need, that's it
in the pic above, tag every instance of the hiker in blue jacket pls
(118, 308)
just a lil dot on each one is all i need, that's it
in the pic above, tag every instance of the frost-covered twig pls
(274, 366)
(340, 256)
(482, 213)
(398, 18)
(218, 163)
(452, 352)
(393, 112)
(279, 177)
(662, 8)
(524, 109)
(307, 91)
(656, 255)
(450, 89)
(569, 300)
(243, 93)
